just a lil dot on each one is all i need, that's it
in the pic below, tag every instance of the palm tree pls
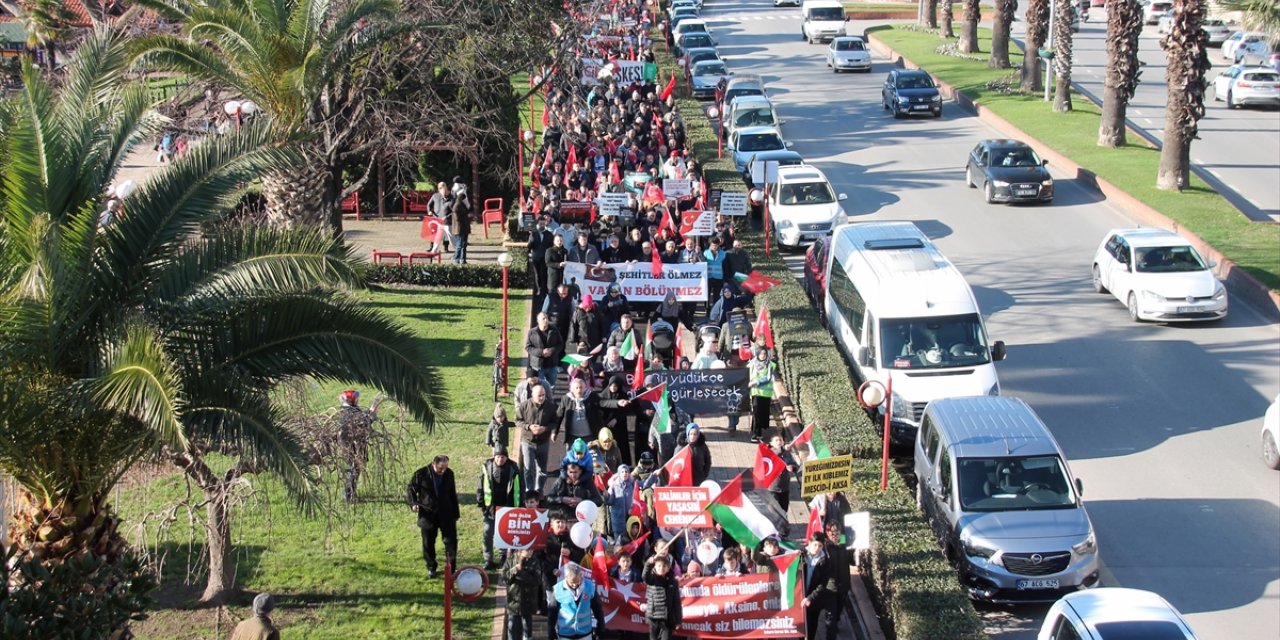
(1037, 33)
(1062, 54)
(1186, 46)
(1006, 10)
(948, 19)
(1124, 25)
(1260, 15)
(969, 32)
(46, 23)
(286, 56)
(121, 340)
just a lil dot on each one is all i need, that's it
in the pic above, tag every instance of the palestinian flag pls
(575, 359)
(739, 517)
(662, 413)
(756, 282)
(655, 394)
(789, 566)
(627, 350)
(812, 438)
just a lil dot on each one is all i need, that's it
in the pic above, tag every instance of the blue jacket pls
(587, 462)
(576, 618)
(715, 264)
(619, 498)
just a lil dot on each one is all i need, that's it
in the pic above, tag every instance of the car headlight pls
(1151, 296)
(901, 408)
(1048, 182)
(785, 224)
(1219, 292)
(937, 99)
(1085, 547)
(999, 183)
(978, 548)
(994, 390)
(904, 99)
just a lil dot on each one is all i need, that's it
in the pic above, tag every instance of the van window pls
(826, 13)
(944, 476)
(847, 298)
(930, 435)
(935, 342)
(1064, 630)
(1014, 483)
(872, 339)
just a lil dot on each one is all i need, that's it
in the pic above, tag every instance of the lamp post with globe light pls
(504, 261)
(240, 108)
(871, 394)
(714, 113)
(525, 138)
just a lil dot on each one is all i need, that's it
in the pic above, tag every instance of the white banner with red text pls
(687, 281)
(715, 608)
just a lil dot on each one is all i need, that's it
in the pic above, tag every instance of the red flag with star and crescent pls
(600, 565)
(767, 468)
(638, 376)
(655, 262)
(763, 327)
(637, 502)
(679, 469)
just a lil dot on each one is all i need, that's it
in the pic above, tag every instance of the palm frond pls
(138, 379)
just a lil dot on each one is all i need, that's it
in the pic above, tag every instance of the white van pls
(898, 308)
(822, 20)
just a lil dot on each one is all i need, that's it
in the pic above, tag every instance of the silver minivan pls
(997, 492)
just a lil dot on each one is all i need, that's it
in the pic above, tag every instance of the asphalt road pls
(1160, 422)
(1240, 147)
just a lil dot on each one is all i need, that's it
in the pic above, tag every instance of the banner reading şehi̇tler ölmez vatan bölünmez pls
(716, 608)
(687, 281)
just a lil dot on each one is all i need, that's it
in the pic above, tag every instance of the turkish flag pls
(637, 502)
(655, 260)
(679, 347)
(653, 193)
(671, 86)
(630, 547)
(638, 382)
(768, 466)
(666, 223)
(744, 352)
(758, 283)
(600, 565)
(815, 523)
(763, 327)
(572, 162)
(680, 469)
(688, 220)
(614, 172)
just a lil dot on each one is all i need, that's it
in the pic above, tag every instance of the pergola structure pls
(471, 151)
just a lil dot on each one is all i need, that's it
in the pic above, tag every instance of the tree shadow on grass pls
(181, 589)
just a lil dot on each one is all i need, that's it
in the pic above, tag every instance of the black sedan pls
(908, 91)
(1008, 171)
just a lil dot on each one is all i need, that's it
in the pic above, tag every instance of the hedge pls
(915, 587)
(453, 275)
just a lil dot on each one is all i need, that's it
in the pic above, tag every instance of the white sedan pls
(1241, 85)
(1113, 612)
(848, 52)
(1159, 276)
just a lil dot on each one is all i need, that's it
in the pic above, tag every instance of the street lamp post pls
(504, 261)
(714, 114)
(525, 138)
(239, 108)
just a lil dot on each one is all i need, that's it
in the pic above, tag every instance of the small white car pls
(1238, 38)
(1159, 276)
(1114, 612)
(848, 52)
(1271, 435)
(1216, 30)
(1152, 12)
(1241, 85)
(803, 206)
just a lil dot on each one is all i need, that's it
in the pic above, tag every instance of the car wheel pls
(989, 193)
(822, 311)
(897, 113)
(968, 177)
(1133, 307)
(1270, 453)
(1098, 287)
(1231, 103)
(884, 103)
(938, 113)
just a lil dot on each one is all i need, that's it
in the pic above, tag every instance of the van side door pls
(942, 495)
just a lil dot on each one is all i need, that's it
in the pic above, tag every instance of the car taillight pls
(1244, 85)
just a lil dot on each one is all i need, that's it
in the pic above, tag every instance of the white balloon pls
(708, 552)
(125, 188)
(712, 487)
(581, 535)
(231, 107)
(587, 511)
(248, 107)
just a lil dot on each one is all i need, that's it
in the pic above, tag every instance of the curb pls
(1241, 282)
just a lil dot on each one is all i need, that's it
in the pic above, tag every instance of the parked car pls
(698, 54)
(803, 206)
(1271, 435)
(750, 111)
(741, 84)
(694, 40)
(1159, 276)
(1238, 38)
(1252, 52)
(908, 91)
(706, 77)
(683, 13)
(1165, 23)
(1114, 612)
(1241, 85)
(1217, 31)
(815, 274)
(848, 52)
(1152, 12)
(1008, 171)
(747, 141)
(784, 158)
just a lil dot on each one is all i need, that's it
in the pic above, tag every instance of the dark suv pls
(908, 91)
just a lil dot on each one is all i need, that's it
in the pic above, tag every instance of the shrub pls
(84, 597)
(453, 275)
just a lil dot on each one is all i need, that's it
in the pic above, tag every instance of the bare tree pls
(1006, 10)
(1037, 32)
(1062, 54)
(1124, 25)
(1186, 47)
(969, 31)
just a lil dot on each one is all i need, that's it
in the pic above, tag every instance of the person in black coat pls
(433, 495)
(586, 327)
(573, 488)
(559, 307)
(699, 451)
(839, 541)
(819, 587)
(544, 346)
(615, 408)
(612, 307)
(555, 256)
(579, 397)
(523, 575)
(780, 488)
(539, 242)
(662, 598)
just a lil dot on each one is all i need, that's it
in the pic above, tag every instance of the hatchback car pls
(691, 55)
(1216, 30)
(750, 111)
(848, 52)
(1235, 40)
(747, 141)
(706, 77)
(1008, 171)
(1241, 85)
(908, 91)
(1159, 276)
(815, 274)
(742, 84)
(1152, 12)
(1114, 612)
(695, 40)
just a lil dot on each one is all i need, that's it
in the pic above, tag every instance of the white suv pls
(803, 206)
(1158, 275)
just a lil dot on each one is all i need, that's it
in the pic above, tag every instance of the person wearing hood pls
(612, 365)
(605, 450)
(636, 530)
(819, 588)
(460, 224)
(613, 307)
(585, 327)
(728, 302)
(699, 451)
(670, 311)
(500, 427)
(760, 376)
(260, 626)
(618, 496)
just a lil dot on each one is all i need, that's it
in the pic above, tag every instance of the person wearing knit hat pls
(500, 486)
(260, 626)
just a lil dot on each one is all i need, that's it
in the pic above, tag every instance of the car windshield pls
(713, 69)
(849, 45)
(1168, 259)
(1013, 484)
(1140, 630)
(757, 117)
(826, 13)
(742, 91)
(1214, 23)
(760, 142)
(806, 193)
(915, 81)
(938, 342)
(692, 27)
(1014, 158)
(696, 40)
(703, 55)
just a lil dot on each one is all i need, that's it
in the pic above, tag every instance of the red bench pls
(351, 206)
(414, 202)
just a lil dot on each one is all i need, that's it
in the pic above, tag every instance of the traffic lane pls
(1030, 271)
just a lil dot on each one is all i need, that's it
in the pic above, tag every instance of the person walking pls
(499, 434)
(780, 488)
(441, 207)
(839, 552)
(699, 452)
(355, 429)
(460, 225)
(536, 419)
(760, 375)
(164, 150)
(615, 412)
(714, 257)
(539, 242)
(499, 487)
(661, 598)
(619, 496)
(544, 346)
(556, 255)
(585, 327)
(579, 413)
(576, 612)
(433, 495)
(819, 587)
(260, 626)
(523, 576)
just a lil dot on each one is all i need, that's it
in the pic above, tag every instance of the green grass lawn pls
(357, 573)
(1251, 245)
